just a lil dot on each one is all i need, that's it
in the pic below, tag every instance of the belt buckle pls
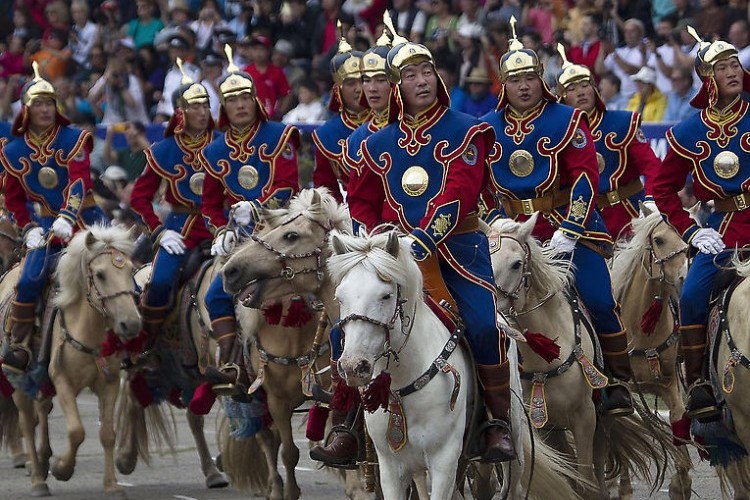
(740, 201)
(528, 207)
(613, 197)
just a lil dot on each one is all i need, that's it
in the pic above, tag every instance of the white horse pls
(389, 329)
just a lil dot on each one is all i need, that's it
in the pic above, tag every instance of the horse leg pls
(43, 409)
(269, 443)
(64, 466)
(680, 486)
(282, 415)
(625, 489)
(442, 467)
(132, 417)
(214, 478)
(107, 394)
(15, 439)
(583, 436)
(27, 420)
(394, 480)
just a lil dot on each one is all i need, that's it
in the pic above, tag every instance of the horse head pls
(510, 252)
(96, 267)
(287, 254)
(378, 288)
(668, 253)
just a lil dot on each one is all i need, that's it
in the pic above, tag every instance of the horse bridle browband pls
(118, 260)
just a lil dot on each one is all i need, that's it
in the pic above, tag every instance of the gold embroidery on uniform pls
(441, 225)
(74, 202)
(578, 208)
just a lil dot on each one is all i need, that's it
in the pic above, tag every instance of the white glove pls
(649, 205)
(243, 213)
(62, 228)
(34, 238)
(172, 242)
(708, 240)
(561, 242)
(223, 244)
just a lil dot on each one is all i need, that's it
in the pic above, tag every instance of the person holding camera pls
(122, 94)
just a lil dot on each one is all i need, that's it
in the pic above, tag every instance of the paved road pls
(179, 477)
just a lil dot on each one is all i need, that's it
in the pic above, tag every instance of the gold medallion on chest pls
(47, 178)
(248, 176)
(726, 164)
(415, 181)
(521, 163)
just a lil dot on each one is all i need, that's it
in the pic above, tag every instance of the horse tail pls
(9, 433)
(735, 476)
(551, 474)
(243, 460)
(638, 448)
(137, 427)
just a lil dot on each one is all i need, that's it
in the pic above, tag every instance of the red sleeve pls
(669, 180)
(142, 197)
(365, 196)
(285, 171)
(324, 176)
(15, 201)
(645, 160)
(212, 202)
(79, 179)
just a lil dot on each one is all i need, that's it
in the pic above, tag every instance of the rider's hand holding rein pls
(172, 242)
(223, 243)
(62, 229)
(245, 213)
(34, 238)
(708, 240)
(562, 242)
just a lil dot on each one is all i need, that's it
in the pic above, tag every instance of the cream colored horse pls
(287, 257)
(95, 296)
(647, 275)
(534, 287)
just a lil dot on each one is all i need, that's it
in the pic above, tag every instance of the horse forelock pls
(628, 253)
(742, 266)
(369, 251)
(72, 269)
(327, 213)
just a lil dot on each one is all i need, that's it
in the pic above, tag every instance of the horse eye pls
(659, 240)
(100, 276)
(387, 296)
(516, 265)
(291, 236)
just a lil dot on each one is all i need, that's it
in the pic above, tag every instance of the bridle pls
(286, 271)
(407, 323)
(95, 297)
(660, 262)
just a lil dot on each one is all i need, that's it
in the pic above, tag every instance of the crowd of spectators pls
(113, 62)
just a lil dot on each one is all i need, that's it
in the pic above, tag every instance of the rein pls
(301, 361)
(118, 260)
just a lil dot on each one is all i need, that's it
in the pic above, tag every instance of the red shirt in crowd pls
(585, 56)
(271, 85)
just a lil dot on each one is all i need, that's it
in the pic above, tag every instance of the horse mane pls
(328, 212)
(368, 250)
(628, 253)
(742, 266)
(549, 272)
(72, 270)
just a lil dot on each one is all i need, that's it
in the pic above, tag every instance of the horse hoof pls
(118, 494)
(19, 461)
(59, 473)
(40, 490)
(216, 480)
(125, 465)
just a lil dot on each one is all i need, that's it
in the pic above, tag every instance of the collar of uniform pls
(379, 120)
(520, 124)
(729, 113)
(194, 143)
(425, 116)
(354, 120)
(595, 118)
(242, 135)
(43, 138)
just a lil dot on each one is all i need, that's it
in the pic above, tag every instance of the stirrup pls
(341, 465)
(703, 414)
(482, 450)
(14, 346)
(619, 411)
(229, 388)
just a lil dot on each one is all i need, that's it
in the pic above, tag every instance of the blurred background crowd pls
(113, 61)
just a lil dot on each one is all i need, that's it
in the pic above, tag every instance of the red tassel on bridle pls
(378, 393)
(344, 397)
(298, 314)
(546, 348)
(652, 315)
(273, 313)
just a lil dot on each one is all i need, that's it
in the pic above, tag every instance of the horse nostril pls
(230, 273)
(363, 368)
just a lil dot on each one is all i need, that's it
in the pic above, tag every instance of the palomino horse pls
(10, 242)
(647, 275)
(297, 240)
(534, 289)
(186, 341)
(94, 300)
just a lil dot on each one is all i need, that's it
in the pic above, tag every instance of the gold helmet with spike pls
(374, 60)
(571, 73)
(188, 92)
(236, 82)
(709, 53)
(36, 88)
(403, 53)
(347, 63)
(518, 59)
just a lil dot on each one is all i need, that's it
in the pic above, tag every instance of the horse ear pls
(644, 209)
(337, 245)
(90, 240)
(392, 246)
(316, 199)
(524, 232)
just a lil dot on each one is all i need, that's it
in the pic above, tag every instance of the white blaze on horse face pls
(361, 292)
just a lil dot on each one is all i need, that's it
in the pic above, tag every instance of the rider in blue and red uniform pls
(342, 448)
(350, 113)
(177, 163)
(424, 173)
(252, 165)
(545, 161)
(47, 164)
(623, 153)
(712, 148)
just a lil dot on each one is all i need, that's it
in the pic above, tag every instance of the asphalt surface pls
(179, 476)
